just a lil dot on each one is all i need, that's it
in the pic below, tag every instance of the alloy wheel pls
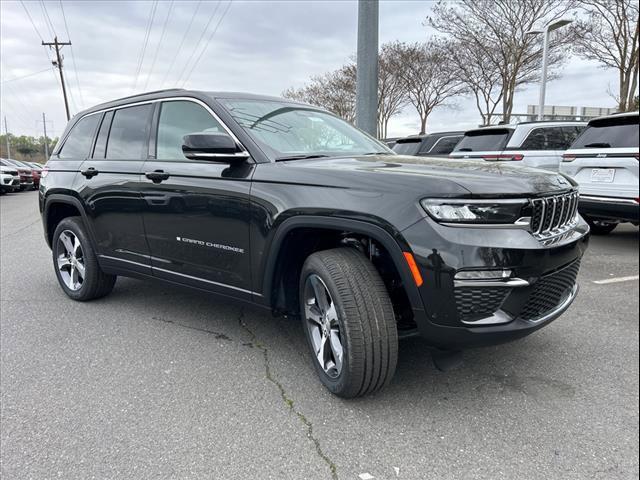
(321, 321)
(70, 260)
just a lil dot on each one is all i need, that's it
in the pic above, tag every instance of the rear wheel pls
(349, 322)
(76, 264)
(600, 227)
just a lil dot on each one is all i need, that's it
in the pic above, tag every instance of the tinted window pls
(550, 138)
(445, 145)
(611, 133)
(178, 119)
(78, 143)
(408, 148)
(101, 142)
(488, 140)
(128, 137)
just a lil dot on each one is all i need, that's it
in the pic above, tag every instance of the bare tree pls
(429, 76)
(609, 35)
(392, 89)
(494, 35)
(334, 91)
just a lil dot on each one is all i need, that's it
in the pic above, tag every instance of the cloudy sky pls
(253, 46)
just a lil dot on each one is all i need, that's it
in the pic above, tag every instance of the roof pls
(179, 92)
(513, 126)
(425, 135)
(615, 115)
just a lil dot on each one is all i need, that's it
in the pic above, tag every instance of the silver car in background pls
(533, 144)
(604, 162)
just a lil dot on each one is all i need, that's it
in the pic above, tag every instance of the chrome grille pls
(553, 215)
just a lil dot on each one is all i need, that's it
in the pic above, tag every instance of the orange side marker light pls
(414, 268)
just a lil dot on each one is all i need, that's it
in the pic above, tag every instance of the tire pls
(362, 319)
(94, 283)
(600, 227)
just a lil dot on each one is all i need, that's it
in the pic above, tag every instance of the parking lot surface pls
(156, 381)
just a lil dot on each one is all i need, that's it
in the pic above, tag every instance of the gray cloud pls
(260, 47)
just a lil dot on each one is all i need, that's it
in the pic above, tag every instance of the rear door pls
(604, 159)
(197, 216)
(110, 186)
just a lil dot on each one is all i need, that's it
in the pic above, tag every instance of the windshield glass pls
(482, 141)
(613, 133)
(287, 130)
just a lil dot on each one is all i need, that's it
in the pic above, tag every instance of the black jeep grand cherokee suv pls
(285, 206)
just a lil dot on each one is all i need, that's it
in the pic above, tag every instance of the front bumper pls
(610, 208)
(467, 314)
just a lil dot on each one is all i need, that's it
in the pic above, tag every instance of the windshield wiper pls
(597, 145)
(378, 153)
(465, 150)
(300, 157)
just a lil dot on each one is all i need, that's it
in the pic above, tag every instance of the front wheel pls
(349, 322)
(600, 227)
(76, 264)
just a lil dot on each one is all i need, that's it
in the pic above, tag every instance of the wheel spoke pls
(320, 292)
(313, 314)
(71, 283)
(63, 263)
(332, 314)
(80, 269)
(336, 349)
(76, 247)
(321, 354)
(67, 242)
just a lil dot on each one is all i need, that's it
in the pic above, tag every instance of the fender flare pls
(56, 198)
(394, 244)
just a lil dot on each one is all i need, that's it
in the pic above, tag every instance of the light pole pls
(550, 27)
(367, 67)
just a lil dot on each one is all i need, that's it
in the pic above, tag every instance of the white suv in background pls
(534, 144)
(9, 179)
(604, 162)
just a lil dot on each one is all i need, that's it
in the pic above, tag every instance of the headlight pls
(475, 211)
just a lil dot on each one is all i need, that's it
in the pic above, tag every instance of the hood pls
(431, 176)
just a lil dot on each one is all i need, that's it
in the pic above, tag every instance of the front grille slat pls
(553, 215)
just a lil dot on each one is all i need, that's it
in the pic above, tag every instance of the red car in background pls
(36, 171)
(24, 170)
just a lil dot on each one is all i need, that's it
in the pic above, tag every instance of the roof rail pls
(147, 93)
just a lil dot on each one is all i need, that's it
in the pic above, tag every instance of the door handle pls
(89, 172)
(157, 176)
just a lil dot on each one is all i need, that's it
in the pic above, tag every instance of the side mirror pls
(213, 146)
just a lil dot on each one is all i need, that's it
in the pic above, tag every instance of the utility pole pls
(46, 142)
(6, 135)
(58, 64)
(367, 67)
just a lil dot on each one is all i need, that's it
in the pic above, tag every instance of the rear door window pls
(444, 145)
(129, 134)
(491, 140)
(79, 141)
(619, 132)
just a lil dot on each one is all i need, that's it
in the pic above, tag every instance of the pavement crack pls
(217, 335)
(20, 229)
(288, 401)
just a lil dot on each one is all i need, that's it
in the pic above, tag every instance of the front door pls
(196, 212)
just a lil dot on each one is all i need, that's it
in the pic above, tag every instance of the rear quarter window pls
(610, 133)
(550, 138)
(484, 140)
(80, 138)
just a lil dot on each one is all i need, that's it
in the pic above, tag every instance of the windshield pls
(613, 133)
(287, 130)
(482, 141)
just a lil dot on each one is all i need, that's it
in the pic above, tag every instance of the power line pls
(48, 22)
(73, 56)
(195, 48)
(184, 37)
(155, 56)
(39, 35)
(27, 75)
(152, 15)
(208, 41)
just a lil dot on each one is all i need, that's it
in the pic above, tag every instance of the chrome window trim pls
(244, 151)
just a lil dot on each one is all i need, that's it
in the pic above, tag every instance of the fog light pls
(483, 275)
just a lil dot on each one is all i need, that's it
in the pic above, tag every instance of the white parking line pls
(617, 280)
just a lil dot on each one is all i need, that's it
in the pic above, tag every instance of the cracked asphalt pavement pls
(156, 381)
